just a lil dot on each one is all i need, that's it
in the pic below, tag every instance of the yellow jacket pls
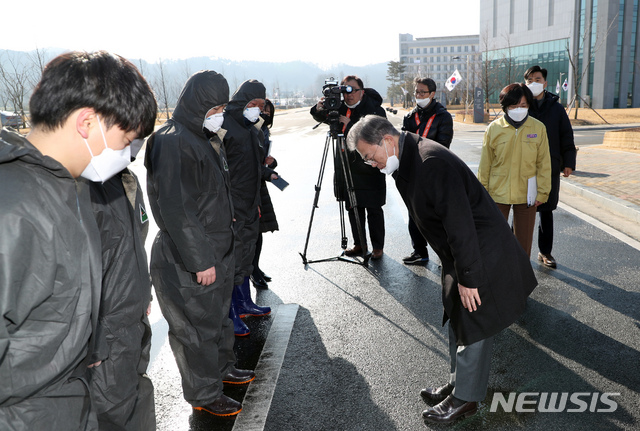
(511, 156)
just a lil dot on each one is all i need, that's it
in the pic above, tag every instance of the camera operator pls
(368, 182)
(430, 120)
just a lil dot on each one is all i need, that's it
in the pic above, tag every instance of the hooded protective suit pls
(189, 194)
(121, 391)
(243, 143)
(49, 291)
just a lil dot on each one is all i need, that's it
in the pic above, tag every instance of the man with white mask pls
(192, 259)
(486, 276)
(547, 109)
(430, 120)
(368, 183)
(85, 110)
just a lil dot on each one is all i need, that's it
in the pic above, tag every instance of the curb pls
(615, 205)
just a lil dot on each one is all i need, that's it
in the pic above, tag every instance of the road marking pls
(608, 229)
(257, 400)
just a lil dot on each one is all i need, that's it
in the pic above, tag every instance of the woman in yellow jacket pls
(514, 150)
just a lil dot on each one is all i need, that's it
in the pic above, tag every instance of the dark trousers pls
(545, 232)
(470, 367)
(417, 240)
(375, 217)
(257, 272)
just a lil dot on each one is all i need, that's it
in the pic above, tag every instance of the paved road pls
(366, 339)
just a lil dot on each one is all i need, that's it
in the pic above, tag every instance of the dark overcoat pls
(471, 237)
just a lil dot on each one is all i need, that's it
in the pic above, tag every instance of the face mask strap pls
(104, 139)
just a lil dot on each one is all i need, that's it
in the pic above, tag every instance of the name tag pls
(532, 135)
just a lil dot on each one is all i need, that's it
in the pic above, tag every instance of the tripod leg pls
(317, 196)
(346, 170)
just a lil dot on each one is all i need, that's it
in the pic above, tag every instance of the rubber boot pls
(239, 327)
(244, 304)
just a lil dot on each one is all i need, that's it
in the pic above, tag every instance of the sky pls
(356, 32)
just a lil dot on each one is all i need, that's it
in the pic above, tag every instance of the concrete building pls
(591, 43)
(438, 57)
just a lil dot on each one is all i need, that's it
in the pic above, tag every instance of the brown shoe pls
(222, 406)
(355, 251)
(376, 254)
(547, 260)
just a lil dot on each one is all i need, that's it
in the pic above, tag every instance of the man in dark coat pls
(120, 388)
(368, 183)
(486, 275)
(552, 114)
(50, 265)
(192, 259)
(430, 120)
(243, 143)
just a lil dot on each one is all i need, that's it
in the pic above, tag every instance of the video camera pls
(332, 93)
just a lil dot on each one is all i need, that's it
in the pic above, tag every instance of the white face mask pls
(536, 88)
(252, 114)
(423, 102)
(517, 114)
(214, 122)
(106, 164)
(354, 105)
(392, 162)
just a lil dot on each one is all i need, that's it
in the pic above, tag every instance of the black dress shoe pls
(449, 410)
(259, 282)
(239, 377)
(222, 406)
(436, 395)
(266, 277)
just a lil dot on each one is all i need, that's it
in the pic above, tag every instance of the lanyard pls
(426, 129)
(348, 116)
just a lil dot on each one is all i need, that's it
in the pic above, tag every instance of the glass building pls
(592, 44)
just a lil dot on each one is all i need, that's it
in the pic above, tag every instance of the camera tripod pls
(336, 141)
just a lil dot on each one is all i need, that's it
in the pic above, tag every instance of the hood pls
(374, 95)
(248, 90)
(14, 146)
(202, 91)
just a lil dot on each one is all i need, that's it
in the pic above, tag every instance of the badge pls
(143, 215)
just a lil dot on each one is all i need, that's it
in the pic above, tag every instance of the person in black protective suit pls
(243, 142)
(369, 183)
(192, 258)
(85, 106)
(430, 120)
(120, 388)
(268, 219)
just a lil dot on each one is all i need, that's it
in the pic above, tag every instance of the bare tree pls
(15, 78)
(488, 81)
(163, 88)
(584, 44)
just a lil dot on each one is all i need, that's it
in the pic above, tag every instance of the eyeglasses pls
(355, 90)
(421, 93)
(369, 160)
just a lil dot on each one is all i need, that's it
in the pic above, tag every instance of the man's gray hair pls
(370, 129)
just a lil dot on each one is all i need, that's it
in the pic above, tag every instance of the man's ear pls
(85, 120)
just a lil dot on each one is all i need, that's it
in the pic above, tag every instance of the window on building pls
(431, 50)
(438, 50)
(551, 7)
(459, 49)
(530, 16)
(411, 51)
(445, 49)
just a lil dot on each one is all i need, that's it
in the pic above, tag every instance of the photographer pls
(369, 183)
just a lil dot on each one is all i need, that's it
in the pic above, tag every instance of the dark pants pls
(257, 272)
(524, 220)
(375, 217)
(417, 240)
(545, 232)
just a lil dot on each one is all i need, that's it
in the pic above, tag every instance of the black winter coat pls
(186, 181)
(471, 237)
(50, 290)
(560, 134)
(368, 182)
(122, 393)
(441, 129)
